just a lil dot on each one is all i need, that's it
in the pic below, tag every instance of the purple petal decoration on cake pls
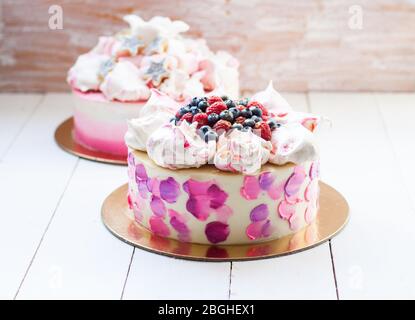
(217, 231)
(194, 187)
(294, 222)
(130, 159)
(140, 173)
(178, 222)
(198, 206)
(266, 229)
(309, 213)
(311, 192)
(286, 210)
(224, 213)
(159, 227)
(157, 206)
(142, 188)
(276, 190)
(259, 213)
(169, 190)
(250, 189)
(314, 170)
(179, 226)
(266, 180)
(254, 230)
(217, 195)
(294, 182)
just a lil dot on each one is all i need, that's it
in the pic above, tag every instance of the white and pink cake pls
(113, 81)
(222, 171)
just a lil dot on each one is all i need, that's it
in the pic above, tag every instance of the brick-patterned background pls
(302, 45)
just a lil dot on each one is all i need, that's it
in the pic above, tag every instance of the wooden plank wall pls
(302, 45)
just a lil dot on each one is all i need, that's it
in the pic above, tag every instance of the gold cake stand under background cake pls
(65, 139)
(332, 217)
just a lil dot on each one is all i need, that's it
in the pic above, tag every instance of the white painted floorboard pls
(79, 258)
(373, 255)
(16, 110)
(33, 176)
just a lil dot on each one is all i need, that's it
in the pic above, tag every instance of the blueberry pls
(204, 129)
(212, 119)
(226, 115)
(256, 111)
(195, 110)
(224, 98)
(243, 102)
(237, 126)
(184, 110)
(256, 119)
(246, 113)
(202, 105)
(195, 101)
(273, 124)
(235, 112)
(230, 104)
(211, 135)
(246, 129)
(249, 123)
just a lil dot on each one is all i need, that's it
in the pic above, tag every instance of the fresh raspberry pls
(217, 108)
(240, 120)
(188, 117)
(201, 119)
(222, 125)
(265, 118)
(265, 131)
(213, 99)
(257, 104)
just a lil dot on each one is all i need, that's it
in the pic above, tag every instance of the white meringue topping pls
(241, 151)
(124, 83)
(178, 147)
(294, 143)
(272, 100)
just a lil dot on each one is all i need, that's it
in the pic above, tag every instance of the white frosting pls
(292, 142)
(166, 60)
(243, 152)
(85, 73)
(124, 83)
(179, 85)
(181, 146)
(158, 110)
(272, 100)
(178, 147)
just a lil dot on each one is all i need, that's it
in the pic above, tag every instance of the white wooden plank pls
(306, 275)
(15, 110)
(398, 113)
(33, 175)
(79, 258)
(157, 277)
(373, 255)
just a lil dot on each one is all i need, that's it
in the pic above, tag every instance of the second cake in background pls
(113, 81)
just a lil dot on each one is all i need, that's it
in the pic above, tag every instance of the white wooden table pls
(53, 244)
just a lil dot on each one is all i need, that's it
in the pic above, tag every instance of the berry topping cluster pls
(216, 115)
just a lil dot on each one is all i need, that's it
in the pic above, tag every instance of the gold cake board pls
(331, 218)
(65, 139)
